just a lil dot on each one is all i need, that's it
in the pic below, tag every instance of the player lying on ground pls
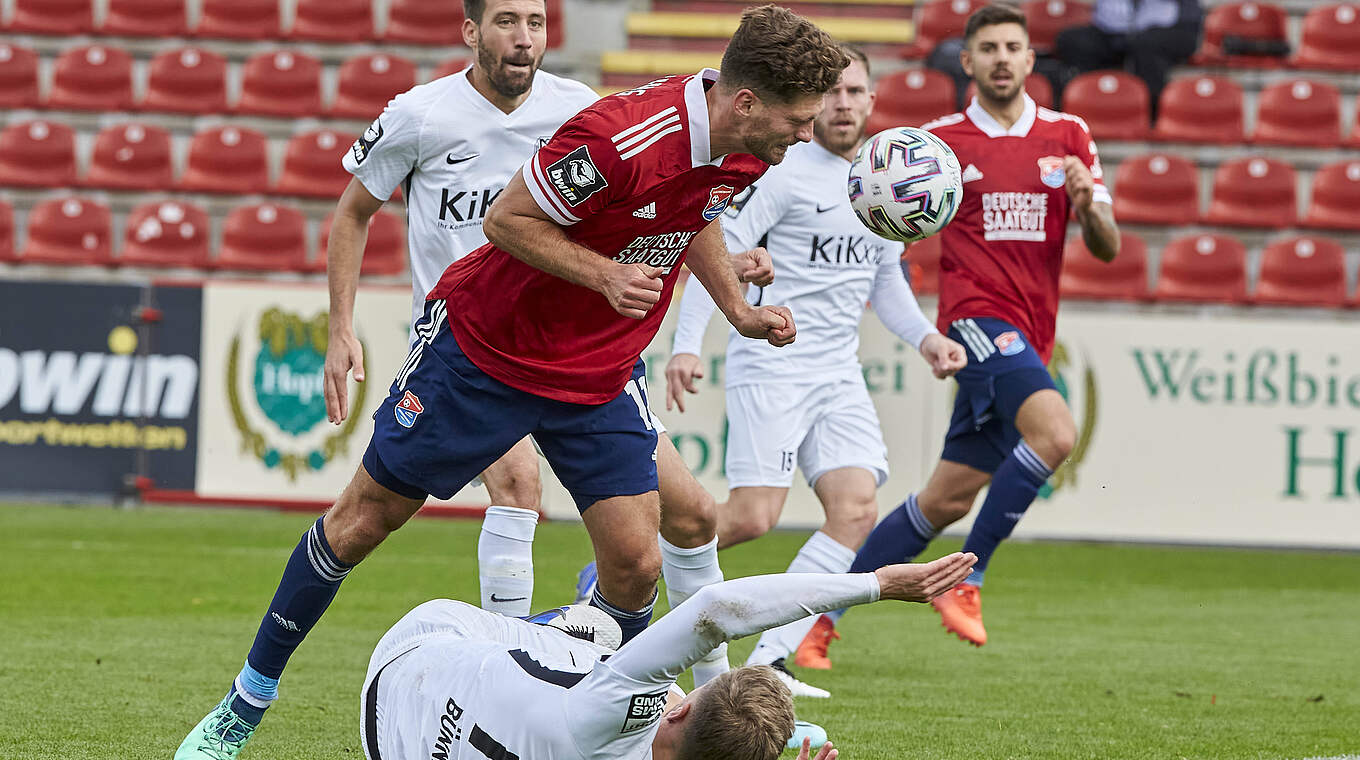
(541, 331)
(1026, 169)
(807, 405)
(454, 144)
(451, 680)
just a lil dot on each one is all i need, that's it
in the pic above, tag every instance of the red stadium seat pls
(187, 80)
(1114, 104)
(1299, 112)
(912, 98)
(166, 234)
(1336, 197)
(37, 154)
(1124, 279)
(6, 232)
(385, 252)
(131, 157)
(449, 67)
(1248, 34)
(333, 21)
(146, 18)
(1331, 38)
(18, 76)
(263, 237)
(239, 19)
(939, 20)
(557, 23)
(68, 230)
(226, 160)
(367, 82)
(1045, 18)
(1302, 271)
(63, 17)
(92, 78)
(1037, 87)
(1156, 188)
(311, 164)
(1210, 268)
(424, 22)
(281, 83)
(921, 261)
(1254, 192)
(1200, 109)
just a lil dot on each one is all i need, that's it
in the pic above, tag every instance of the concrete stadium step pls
(621, 69)
(896, 9)
(711, 31)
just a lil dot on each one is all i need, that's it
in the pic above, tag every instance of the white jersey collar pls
(465, 81)
(696, 103)
(992, 128)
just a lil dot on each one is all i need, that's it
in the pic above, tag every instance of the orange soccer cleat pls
(812, 649)
(960, 611)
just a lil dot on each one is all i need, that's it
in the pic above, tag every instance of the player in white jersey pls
(453, 681)
(806, 405)
(451, 145)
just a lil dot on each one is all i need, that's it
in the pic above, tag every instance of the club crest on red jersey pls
(1009, 343)
(1051, 171)
(718, 198)
(408, 409)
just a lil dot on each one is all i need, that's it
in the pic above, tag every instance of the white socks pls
(685, 572)
(821, 554)
(505, 560)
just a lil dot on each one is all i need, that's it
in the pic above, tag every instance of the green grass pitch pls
(121, 628)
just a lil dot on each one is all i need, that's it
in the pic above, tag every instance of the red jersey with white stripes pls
(1002, 254)
(630, 177)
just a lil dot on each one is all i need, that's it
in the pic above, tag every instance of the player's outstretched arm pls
(1098, 229)
(710, 262)
(744, 606)
(517, 225)
(344, 257)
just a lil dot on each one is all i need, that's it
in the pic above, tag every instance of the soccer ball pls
(905, 184)
(581, 621)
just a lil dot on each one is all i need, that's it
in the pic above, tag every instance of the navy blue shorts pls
(444, 421)
(1003, 370)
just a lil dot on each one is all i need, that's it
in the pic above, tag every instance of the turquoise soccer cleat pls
(219, 736)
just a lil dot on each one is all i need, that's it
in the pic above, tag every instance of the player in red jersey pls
(541, 330)
(1026, 170)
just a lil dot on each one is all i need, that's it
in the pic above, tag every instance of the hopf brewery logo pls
(283, 381)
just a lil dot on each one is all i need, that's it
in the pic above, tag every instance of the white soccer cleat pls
(798, 688)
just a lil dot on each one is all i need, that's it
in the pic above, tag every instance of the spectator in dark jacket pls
(1146, 37)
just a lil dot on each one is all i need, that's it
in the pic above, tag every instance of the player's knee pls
(517, 488)
(693, 523)
(751, 525)
(629, 578)
(1056, 442)
(860, 516)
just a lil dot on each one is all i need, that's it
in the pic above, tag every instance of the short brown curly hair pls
(778, 54)
(743, 714)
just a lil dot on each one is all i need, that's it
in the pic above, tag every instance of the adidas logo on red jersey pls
(646, 212)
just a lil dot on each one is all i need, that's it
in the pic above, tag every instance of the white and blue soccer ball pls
(905, 184)
(581, 621)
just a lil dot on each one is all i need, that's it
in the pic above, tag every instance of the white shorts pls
(773, 427)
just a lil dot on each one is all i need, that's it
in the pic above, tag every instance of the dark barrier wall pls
(90, 393)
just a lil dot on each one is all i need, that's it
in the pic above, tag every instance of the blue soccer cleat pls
(586, 580)
(804, 730)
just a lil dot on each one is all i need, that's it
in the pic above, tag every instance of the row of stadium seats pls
(193, 80)
(419, 22)
(255, 237)
(1154, 188)
(1116, 106)
(261, 237)
(1200, 268)
(1163, 189)
(1241, 34)
(139, 157)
